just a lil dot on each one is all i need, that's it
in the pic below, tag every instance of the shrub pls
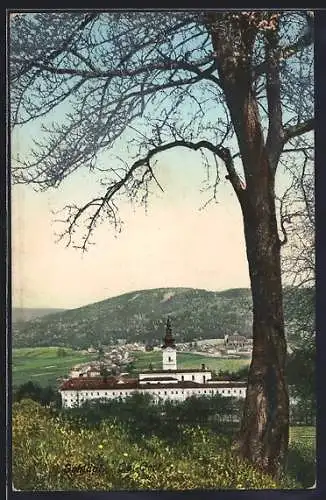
(301, 465)
(50, 453)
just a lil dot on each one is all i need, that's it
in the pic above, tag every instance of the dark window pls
(98, 393)
(91, 394)
(204, 379)
(192, 377)
(176, 392)
(229, 391)
(165, 392)
(170, 358)
(205, 392)
(182, 378)
(120, 393)
(113, 393)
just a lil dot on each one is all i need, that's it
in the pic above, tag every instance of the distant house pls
(236, 341)
(79, 371)
(210, 342)
(93, 372)
(87, 370)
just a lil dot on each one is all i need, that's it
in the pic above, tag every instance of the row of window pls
(192, 378)
(98, 394)
(211, 391)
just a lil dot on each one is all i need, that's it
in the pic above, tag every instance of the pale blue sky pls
(173, 244)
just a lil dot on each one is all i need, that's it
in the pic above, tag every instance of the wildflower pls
(100, 446)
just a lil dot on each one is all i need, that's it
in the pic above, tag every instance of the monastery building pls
(168, 383)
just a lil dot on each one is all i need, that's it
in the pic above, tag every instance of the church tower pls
(169, 349)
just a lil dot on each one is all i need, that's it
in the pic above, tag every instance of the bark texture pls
(264, 429)
(263, 437)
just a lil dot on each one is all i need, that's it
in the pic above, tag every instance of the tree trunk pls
(264, 428)
(263, 437)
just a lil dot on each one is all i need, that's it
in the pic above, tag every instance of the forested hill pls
(27, 313)
(141, 316)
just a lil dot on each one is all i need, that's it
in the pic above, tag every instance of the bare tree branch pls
(299, 129)
(165, 64)
(114, 76)
(304, 41)
(28, 65)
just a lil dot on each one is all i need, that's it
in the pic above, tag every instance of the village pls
(117, 359)
(167, 383)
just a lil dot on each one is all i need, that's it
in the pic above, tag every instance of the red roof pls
(81, 383)
(157, 378)
(187, 370)
(97, 384)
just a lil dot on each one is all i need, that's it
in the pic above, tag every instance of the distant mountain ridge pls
(141, 316)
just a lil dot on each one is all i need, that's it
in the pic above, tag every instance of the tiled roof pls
(187, 370)
(113, 384)
(81, 383)
(157, 378)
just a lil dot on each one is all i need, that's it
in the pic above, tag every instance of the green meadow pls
(43, 366)
(303, 433)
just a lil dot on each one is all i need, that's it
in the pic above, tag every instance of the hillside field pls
(43, 366)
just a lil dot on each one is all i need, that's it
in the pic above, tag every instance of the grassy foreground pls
(43, 366)
(51, 453)
(67, 450)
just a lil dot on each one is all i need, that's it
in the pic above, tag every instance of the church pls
(168, 383)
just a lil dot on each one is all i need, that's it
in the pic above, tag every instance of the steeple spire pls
(168, 339)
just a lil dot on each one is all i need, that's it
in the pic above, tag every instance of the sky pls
(172, 244)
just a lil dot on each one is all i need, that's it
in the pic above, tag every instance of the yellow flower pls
(100, 446)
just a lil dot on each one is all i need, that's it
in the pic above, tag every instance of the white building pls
(85, 371)
(168, 383)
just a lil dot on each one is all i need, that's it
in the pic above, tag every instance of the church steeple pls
(169, 354)
(168, 339)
